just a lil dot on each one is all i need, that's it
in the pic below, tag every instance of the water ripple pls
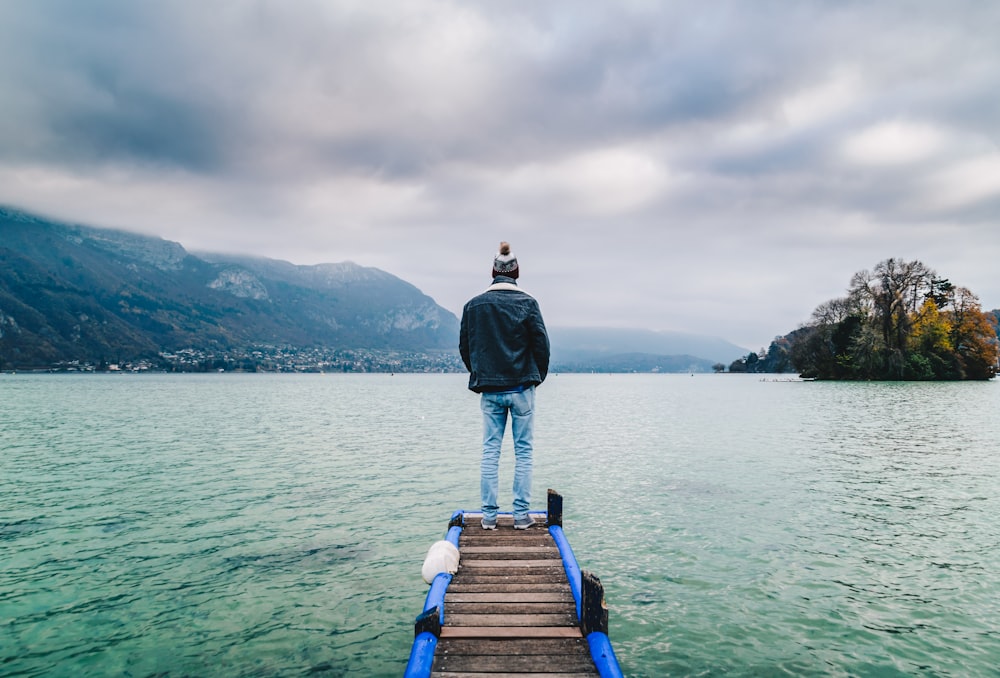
(270, 526)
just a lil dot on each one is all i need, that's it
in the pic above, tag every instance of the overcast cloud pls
(711, 167)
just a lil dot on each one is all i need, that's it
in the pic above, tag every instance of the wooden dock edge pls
(588, 593)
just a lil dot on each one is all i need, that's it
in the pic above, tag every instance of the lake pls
(275, 525)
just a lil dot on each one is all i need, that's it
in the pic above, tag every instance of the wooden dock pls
(511, 610)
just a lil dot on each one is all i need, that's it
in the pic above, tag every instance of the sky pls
(718, 168)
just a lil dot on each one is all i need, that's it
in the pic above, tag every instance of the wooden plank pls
(505, 534)
(513, 550)
(506, 538)
(474, 550)
(527, 575)
(497, 585)
(518, 646)
(507, 554)
(508, 588)
(511, 597)
(474, 518)
(503, 541)
(560, 663)
(546, 574)
(511, 564)
(505, 609)
(552, 580)
(544, 619)
(473, 568)
(486, 579)
(479, 533)
(538, 537)
(495, 632)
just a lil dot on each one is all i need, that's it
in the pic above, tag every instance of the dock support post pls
(594, 615)
(426, 631)
(555, 508)
(428, 621)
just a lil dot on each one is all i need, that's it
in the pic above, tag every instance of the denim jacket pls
(503, 341)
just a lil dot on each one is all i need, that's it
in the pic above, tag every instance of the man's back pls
(503, 341)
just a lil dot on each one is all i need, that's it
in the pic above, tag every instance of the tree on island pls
(898, 321)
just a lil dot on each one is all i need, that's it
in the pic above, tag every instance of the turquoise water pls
(269, 525)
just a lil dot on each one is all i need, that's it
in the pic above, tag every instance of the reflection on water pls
(275, 525)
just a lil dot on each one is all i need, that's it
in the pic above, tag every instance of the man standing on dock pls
(505, 347)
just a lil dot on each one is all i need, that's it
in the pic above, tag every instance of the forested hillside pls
(75, 295)
(900, 320)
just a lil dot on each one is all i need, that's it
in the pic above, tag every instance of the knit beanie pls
(505, 263)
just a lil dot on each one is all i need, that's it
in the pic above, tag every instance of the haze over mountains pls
(78, 295)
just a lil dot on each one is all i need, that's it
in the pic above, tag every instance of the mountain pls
(610, 349)
(75, 293)
(78, 295)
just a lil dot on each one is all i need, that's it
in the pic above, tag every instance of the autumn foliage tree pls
(898, 321)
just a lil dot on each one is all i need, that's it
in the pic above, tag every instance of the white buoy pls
(442, 556)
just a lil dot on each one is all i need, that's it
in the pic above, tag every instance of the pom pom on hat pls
(505, 263)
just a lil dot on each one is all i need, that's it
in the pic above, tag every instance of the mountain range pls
(582, 348)
(78, 295)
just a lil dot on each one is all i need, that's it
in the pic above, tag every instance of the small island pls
(898, 321)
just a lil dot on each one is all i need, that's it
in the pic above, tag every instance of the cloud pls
(718, 168)
(894, 142)
(968, 182)
(594, 183)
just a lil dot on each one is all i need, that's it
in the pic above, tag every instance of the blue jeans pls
(495, 406)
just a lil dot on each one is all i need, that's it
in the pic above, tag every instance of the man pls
(506, 350)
